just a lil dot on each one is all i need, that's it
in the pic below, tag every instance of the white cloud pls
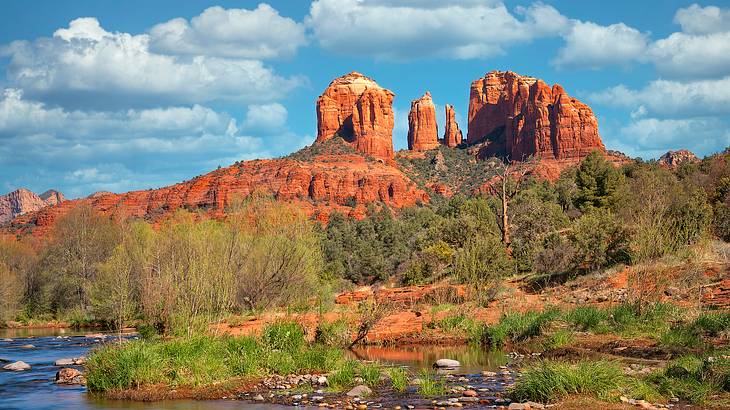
(690, 56)
(85, 65)
(267, 117)
(696, 19)
(400, 30)
(590, 45)
(652, 137)
(239, 33)
(672, 98)
(84, 151)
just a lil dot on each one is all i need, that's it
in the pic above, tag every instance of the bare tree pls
(510, 179)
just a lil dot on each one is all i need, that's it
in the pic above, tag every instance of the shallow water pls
(35, 389)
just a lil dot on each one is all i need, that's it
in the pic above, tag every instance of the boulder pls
(360, 111)
(18, 366)
(360, 391)
(69, 375)
(447, 363)
(518, 116)
(452, 133)
(422, 127)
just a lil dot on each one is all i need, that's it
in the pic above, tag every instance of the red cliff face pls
(523, 116)
(674, 159)
(22, 201)
(452, 133)
(360, 111)
(422, 127)
(343, 182)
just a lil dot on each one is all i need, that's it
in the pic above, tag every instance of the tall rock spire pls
(422, 127)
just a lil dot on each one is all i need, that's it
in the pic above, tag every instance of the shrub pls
(481, 263)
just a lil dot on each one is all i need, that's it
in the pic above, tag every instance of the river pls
(35, 388)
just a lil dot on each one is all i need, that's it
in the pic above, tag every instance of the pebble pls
(27, 347)
(359, 391)
(362, 406)
(469, 393)
(258, 397)
(447, 363)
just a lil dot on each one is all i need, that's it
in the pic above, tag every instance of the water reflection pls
(474, 359)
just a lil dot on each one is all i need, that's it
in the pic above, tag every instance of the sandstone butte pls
(319, 186)
(452, 133)
(422, 127)
(360, 111)
(22, 201)
(517, 116)
(675, 159)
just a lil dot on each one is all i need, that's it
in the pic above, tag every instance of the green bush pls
(288, 336)
(336, 333)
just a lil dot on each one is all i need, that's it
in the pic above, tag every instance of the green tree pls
(481, 263)
(596, 181)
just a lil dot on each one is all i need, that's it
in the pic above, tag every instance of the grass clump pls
(517, 327)
(713, 323)
(431, 385)
(561, 338)
(587, 318)
(550, 381)
(370, 373)
(336, 333)
(344, 376)
(398, 379)
(202, 360)
(694, 379)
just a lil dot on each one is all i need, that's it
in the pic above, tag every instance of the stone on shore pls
(76, 361)
(360, 391)
(447, 363)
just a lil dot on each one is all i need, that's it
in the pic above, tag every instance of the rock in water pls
(447, 363)
(422, 127)
(452, 133)
(360, 391)
(360, 111)
(77, 361)
(17, 366)
(69, 375)
(522, 116)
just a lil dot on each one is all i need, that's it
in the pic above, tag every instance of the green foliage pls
(370, 373)
(598, 239)
(550, 381)
(517, 327)
(336, 333)
(586, 317)
(481, 263)
(561, 338)
(344, 376)
(288, 336)
(713, 323)
(431, 385)
(398, 379)
(203, 360)
(597, 182)
(694, 379)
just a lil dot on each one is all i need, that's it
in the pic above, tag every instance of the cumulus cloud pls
(265, 117)
(696, 19)
(403, 29)
(85, 65)
(665, 98)
(239, 33)
(652, 137)
(690, 56)
(591, 45)
(81, 151)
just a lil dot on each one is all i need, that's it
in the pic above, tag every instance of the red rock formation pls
(22, 201)
(522, 116)
(675, 159)
(452, 133)
(422, 127)
(360, 111)
(320, 186)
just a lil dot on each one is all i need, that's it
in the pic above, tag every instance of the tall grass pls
(431, 385)
(201, 360)
(398, 379)
(551, 381)
(517, 327)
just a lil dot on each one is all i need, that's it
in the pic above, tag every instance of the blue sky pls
(115, 96)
